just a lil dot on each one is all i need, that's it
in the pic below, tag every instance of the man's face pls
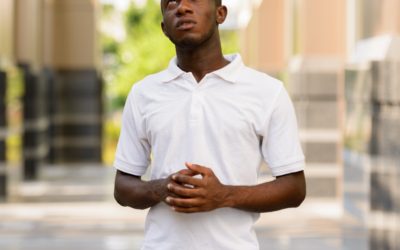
(189, 23)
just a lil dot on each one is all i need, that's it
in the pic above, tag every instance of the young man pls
(208, 121)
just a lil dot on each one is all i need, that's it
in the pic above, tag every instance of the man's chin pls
(187, 43)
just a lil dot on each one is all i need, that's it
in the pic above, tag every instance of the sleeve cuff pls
(293, 167)
(137, 170)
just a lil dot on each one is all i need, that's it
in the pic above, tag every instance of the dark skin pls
(192, 25)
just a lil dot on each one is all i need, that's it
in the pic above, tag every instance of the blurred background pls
(66, 67)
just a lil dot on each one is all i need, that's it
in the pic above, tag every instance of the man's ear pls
(222, 12)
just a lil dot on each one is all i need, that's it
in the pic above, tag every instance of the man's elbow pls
(300, 195)
(128, 200)
(118, 197)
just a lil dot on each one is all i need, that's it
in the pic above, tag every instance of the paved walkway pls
(74, 209)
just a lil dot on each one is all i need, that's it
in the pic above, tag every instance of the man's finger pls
(184, 179)
(183, 202)
(187, 172)
(198, 168)
(187, 210)
(183, 191)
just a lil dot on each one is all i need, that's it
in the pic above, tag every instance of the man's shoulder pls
(259, 80)
(150, 81)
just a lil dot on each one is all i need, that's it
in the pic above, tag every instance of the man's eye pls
(171, 3)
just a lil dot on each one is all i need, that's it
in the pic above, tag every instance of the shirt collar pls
(229, 72)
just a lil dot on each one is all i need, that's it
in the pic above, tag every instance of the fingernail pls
(174, 177)
(169, 186)
(168, 199)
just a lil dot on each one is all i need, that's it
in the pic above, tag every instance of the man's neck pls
(201, 60)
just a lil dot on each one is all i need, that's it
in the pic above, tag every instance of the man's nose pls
(184, 7)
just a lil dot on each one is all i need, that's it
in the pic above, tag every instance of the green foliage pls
(14, 94)
(230, 41)
(145, 51)
(107, 10)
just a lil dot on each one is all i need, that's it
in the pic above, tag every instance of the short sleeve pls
(133, 150)
(281, 147)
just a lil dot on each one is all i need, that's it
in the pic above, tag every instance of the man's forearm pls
(133, 192)
(208, 193)
(284, 192)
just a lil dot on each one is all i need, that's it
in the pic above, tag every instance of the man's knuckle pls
(184, 192)
(202, 193)
(183, 179)
(171, 201)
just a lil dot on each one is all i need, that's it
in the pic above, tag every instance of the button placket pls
(196, 102)
(195, 109)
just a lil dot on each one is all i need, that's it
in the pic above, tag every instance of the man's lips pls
(185, 24)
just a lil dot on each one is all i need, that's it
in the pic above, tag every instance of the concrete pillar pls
(322, 28)
(264, 44)
(384, 206)
(316, 83)
(372, 129)
(57, 47)
(55, 44)
(70, 34)
(6, 32)
(376, 57)
(6, 57)
(29, 56)
(71, 61)
(379, 17)
(36, 123)
(3, 134)
(28, 33)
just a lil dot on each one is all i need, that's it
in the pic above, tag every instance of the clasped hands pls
(188, 194)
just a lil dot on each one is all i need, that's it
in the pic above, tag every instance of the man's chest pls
(217, 112)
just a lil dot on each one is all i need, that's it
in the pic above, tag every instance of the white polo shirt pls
(231, 121)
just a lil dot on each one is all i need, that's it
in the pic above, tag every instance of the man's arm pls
(132, 191)
(208, 193)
